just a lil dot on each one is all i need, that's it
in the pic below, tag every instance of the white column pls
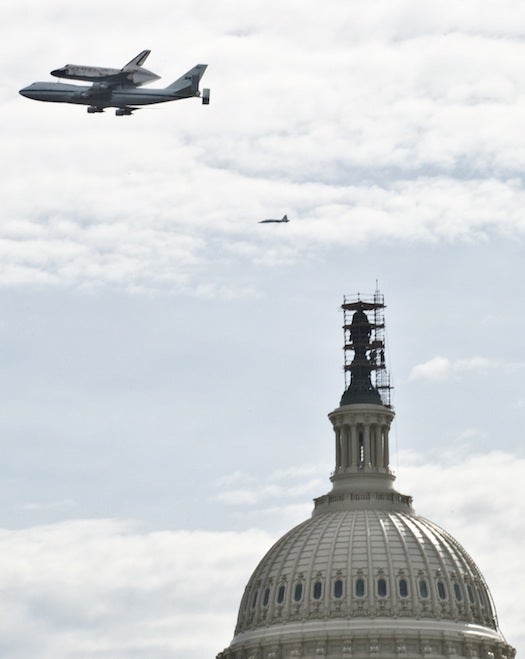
(344, 447)
(385, 440)
(367, 445)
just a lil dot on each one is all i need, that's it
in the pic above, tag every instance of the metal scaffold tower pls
(373, 359)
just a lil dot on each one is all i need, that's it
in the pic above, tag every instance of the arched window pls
(423, 588)
(280, 594)
(360, 587)
(457, 591)
(381, 588)
(266, 597)
(298, 592)
(441, 590)
(338, 589)
(403, 588)
(254, 600)
(318, 590)
(470, 594)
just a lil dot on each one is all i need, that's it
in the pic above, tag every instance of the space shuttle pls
(131, 75)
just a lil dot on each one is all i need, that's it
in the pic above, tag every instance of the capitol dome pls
(365, 576)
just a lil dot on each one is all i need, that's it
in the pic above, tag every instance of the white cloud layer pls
(442, 368)
(105, 588)
(390, 122)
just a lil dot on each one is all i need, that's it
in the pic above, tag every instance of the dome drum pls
(363, 500)
(385, 638)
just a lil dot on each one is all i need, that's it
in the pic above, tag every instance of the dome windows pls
(338, 588)
(381, 588)
(382, 594)
(403, 588)
(360, 587)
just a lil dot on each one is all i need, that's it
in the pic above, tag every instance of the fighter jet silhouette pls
(284, 218)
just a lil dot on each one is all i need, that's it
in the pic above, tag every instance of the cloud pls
(48, 505)
(298, 482)
(438, 368)
(92, 588)
(441, 368)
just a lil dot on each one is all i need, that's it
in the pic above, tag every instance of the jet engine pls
(205, 96)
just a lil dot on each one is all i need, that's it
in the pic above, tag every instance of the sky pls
(168, 363)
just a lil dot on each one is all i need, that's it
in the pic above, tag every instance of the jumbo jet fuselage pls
(61, 92)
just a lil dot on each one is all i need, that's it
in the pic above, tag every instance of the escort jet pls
(130, 75)
(284, 218)
(125, 98)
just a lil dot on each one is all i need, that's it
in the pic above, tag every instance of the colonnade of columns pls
(362, 447)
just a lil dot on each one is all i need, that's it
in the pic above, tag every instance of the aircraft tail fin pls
(188, 84)
(285, 218)
(138, 60)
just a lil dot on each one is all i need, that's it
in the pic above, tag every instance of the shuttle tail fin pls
(138, 60)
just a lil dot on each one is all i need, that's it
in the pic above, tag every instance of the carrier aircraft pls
(116, 88)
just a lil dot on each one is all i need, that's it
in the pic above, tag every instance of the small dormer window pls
(441, 590)
(457, 591)
(298, 592)
(318, 590)
(360, 587)
(338, 589)
(423, 588)
(254, 600)
(280, 594)
(266, 597)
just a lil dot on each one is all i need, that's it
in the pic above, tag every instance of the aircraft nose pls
(58, 72)
(31, 91)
